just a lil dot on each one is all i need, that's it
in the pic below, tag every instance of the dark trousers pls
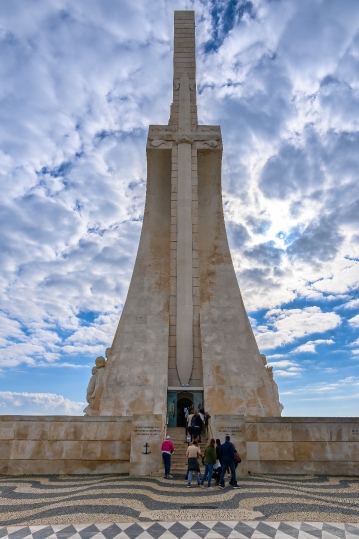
(217, 474)
(167, 462)
(230, 465)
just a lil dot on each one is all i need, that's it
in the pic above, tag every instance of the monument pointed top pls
(184, 106)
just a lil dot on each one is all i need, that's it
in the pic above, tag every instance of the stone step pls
(179, 460)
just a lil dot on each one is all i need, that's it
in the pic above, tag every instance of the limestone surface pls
(184, 323)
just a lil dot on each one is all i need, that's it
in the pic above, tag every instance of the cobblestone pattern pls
(188, 530)
(51, 500)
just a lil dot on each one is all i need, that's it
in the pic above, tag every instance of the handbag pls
(237, 458)
(217, 465)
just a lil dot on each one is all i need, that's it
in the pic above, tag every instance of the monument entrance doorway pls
(177, 401)
(182, 404)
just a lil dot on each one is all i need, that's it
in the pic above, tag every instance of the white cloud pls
(311, 389)
(62, 365)
(282, 363)
(354, 321)
(352, 304)
(310, 346)
(38, 404)
(286, 373)
(341, 282)
(291, 324)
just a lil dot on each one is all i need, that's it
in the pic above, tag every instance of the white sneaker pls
(170, 477)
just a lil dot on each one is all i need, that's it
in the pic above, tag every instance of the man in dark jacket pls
(227, 455)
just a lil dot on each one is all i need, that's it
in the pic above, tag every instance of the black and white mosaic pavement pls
(187, 530)
(64, 500)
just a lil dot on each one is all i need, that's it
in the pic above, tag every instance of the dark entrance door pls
(177, 401)
(182, 403)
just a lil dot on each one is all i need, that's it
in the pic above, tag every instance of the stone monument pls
(184, 334)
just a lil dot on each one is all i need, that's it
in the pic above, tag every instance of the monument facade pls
(184, 333)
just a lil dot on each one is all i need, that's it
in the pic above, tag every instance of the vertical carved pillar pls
(184, 338)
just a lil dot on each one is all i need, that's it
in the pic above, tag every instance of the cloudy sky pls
(80, 81)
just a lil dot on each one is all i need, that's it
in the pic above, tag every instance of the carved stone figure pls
(95, 380)
(100, 362)
(185, 140)
(270, 372)
(91, 388)
(273, 382)
(276, 392)
(157, 143)
(210, 143)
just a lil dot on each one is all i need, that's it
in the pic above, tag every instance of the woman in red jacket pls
(167, 450)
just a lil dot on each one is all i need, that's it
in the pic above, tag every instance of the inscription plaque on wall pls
(147, 431)
(230, 430)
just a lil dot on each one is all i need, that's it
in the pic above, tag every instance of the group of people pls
(217, 459)
(196, 421)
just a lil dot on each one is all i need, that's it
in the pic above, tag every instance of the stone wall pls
(92, 445)
(135, 377)
(235, 379)
(64, 445)
(303, 445)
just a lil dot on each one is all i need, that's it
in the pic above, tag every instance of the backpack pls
(237, 458)
(193, 421)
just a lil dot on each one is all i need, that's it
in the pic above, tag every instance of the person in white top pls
(189, 427)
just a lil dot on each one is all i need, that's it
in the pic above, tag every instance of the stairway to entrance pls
(179, 460)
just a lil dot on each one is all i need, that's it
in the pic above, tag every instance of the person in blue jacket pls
(227, 457)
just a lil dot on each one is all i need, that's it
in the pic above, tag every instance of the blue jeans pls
(167, 461)
(208, 470)
(197, 475)
(230, 465)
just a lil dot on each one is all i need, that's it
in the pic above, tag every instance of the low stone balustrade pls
(64, 445)
(302, 445)
(131, 444)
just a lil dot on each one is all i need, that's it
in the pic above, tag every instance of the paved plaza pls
(86, 507)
